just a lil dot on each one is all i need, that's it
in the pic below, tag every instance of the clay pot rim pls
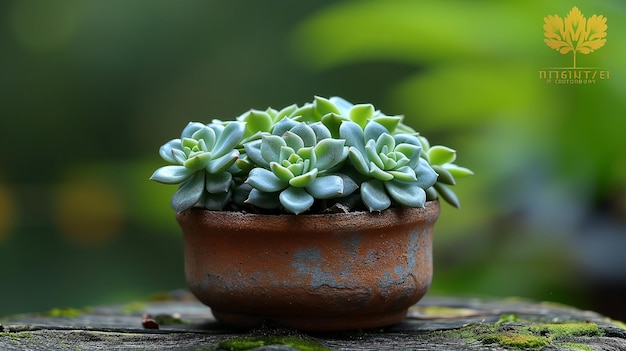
(309, 222)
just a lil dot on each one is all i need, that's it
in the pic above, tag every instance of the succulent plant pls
(393, 166)
(307, 158)
(441, 159)
(295, 168)
(201, 160)
(332, 112)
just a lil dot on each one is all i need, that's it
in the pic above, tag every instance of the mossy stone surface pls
(436, 323)
(254, 342)
(514, 332)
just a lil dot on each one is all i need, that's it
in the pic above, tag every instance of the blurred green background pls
(89, 90)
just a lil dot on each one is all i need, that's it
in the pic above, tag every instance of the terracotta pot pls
(309, 272)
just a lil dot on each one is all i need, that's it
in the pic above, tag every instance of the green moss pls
(513, 332)
(247, 343)
(575, 346)
(560, 330)
(20, 335)
(508, 318)
(509, 336)
(515, 339)
(64, 312)
(134, 307)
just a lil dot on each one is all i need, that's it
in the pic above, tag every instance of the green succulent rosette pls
(392, 166)
(296, 167)
(295, 158)
(200, 162)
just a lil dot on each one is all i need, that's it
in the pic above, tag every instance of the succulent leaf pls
(361, 113)
(307, 154)
(326, 187)
(425, 143)
(265, 180)
(229, 138)
(198, 162)
(353, 135)
(440, 155)
(389, 122)
(408, 139)
(293, 140)
(281, 172)
(385, 143)
(405, 174)
(358, 161)
(296, 200)
(287, 112)
(425, 174)
(402, 161)
(257, 121)
(349, 185)
(320, 130)
(412, 153)
(222, 163)
(295, 168)
(431, 194)
(263, 199)
(216, 201)
(288, 155)
(167, 150)
(207, 136)
(272, 148)
(188, 193)
(283, 125)
(406, 193)
(444, 176)
(191, 128)
(388, 160)
(333, 122)
(341, 104)
(171, 174)
(306, 134)
(457, 171)
(303, 180)
(305, 113)
(447, 194)
(379, 174)
(240, 193)
(243, 165)
(373, 130)
(189, 144)
(179, 156)
(374, 196)
(325, 106)
(218, 183)
(372, 154)
(329, 153)
(253, 152)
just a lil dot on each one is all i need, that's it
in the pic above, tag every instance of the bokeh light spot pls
(89, 213)
(7, 214)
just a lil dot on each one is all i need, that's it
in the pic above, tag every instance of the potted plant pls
(315, 217)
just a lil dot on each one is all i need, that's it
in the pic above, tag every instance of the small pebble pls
(148, 322)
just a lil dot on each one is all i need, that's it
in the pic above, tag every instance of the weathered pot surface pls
(309, 272)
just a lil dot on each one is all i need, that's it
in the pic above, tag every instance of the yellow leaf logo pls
(575, 33)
